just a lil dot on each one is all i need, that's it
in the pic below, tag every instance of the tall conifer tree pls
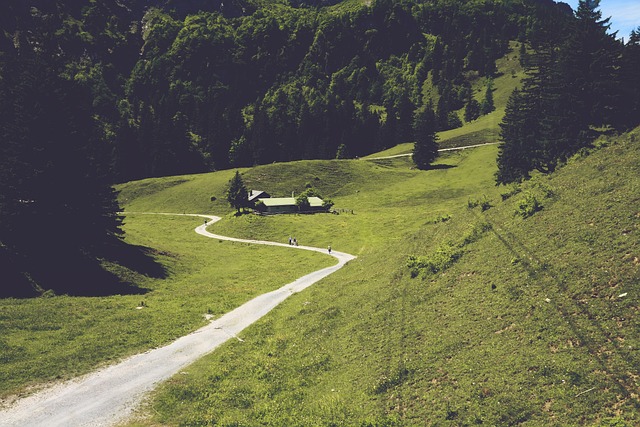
(425, 148)
(237, 194)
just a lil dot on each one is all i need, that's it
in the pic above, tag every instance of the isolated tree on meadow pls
(425, 148)
(237, 194)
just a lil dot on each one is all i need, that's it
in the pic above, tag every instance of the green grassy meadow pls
(58, 337)
(533, 321)
(523, 321)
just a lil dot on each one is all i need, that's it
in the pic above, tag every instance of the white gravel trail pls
(109, 396)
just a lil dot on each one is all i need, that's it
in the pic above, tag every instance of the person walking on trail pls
(295, 242)
(290, 240)
(329, 248)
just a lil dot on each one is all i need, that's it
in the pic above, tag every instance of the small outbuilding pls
(254, 195)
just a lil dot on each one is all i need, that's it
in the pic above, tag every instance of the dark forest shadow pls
(76, 273)
(137, 258)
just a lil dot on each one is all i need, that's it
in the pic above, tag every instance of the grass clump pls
(528, 205)
(445, 255)
(440, 218)
(512, 190)
(442, 258)
(484, 203)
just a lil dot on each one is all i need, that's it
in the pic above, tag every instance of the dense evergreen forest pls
(105, 91)
(179, 87)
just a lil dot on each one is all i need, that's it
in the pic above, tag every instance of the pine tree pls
(487, 106)
(471, 110)
(442, 113)
(569, 89)
(517, 133)
(342, 152)
(237, 194)
(629, 103)
(404, 109)
(57, 176)
(588, 63)
(425, 148)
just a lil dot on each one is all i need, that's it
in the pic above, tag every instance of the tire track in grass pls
(109, 395)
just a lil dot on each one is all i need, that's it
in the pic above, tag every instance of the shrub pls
(446, 254)
(512, 191)
(260, 206)
(484, 204)
(441, 259)
(327, 204)
(474, 234)
(302, 202)
(528, 205)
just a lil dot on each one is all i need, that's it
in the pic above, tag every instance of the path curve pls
(109, 396)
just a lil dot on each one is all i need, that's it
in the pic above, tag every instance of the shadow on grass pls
(76, 273)
(585, 324)
(441, 166)
(136, 258)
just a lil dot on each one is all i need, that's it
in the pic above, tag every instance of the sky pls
(624, 14)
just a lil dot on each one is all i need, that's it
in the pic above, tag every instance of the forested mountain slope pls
(179, 87)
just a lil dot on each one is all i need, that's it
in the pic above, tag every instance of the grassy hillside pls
(457, 311)
(486, 128)
(503, 319)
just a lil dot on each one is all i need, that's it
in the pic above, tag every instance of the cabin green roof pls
(314, 202)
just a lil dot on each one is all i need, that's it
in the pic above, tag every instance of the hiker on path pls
(329, 248)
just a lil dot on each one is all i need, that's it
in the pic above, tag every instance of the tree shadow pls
(441, 166)
(76, 272)
(136, 258)
(619, 361)
(78, 275)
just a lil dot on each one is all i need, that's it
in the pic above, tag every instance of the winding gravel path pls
(109, 395)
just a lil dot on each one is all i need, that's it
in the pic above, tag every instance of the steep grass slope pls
(468, 304)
